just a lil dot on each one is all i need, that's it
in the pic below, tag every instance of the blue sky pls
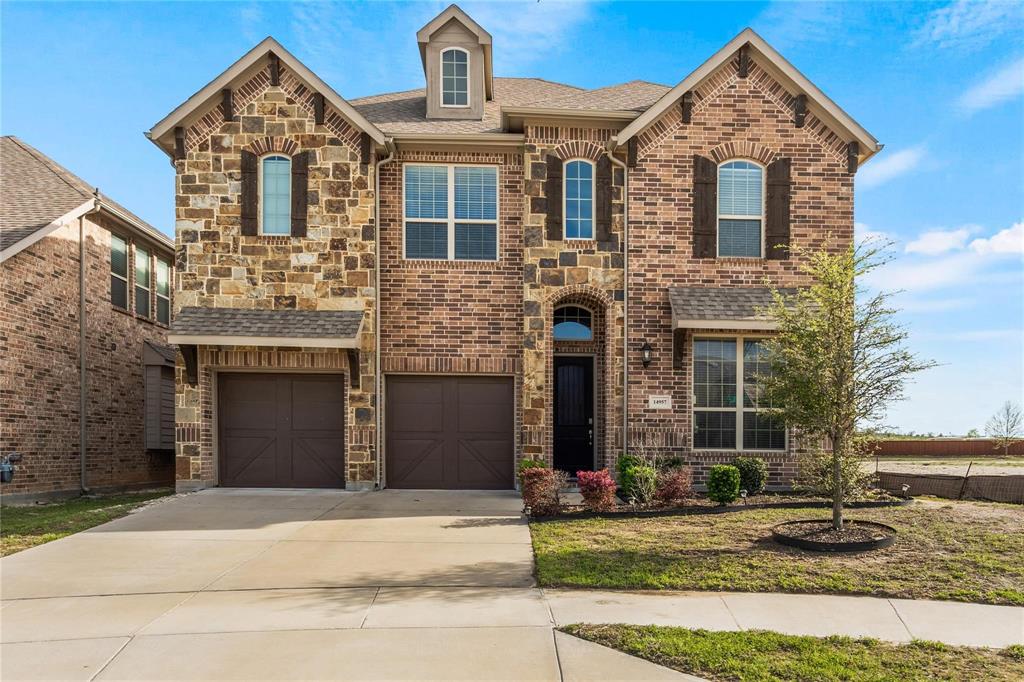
(940, 84)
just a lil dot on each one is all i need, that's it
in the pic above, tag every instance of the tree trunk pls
(837, 485)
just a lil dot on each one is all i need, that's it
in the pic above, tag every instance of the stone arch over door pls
(601, 305)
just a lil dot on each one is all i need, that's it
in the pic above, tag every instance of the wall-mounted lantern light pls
(646, 353)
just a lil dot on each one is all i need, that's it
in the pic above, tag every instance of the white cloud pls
(891, 166)
(863, 234)
(974, 335)
(1003, 85)
(970, 24)
(912, 304)
(935, 242)
(1010, 240)
(787, 23)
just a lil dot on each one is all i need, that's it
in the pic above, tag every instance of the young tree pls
(838, 360)
(1006, 426)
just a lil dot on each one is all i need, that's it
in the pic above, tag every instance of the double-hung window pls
(163, 291)
(728, 411)
(451, 212)
(454, 78)
(579, 200)
(142, 282)
(275, 190)
(740, 209)
(118, 272)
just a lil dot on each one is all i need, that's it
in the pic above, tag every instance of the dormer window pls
(454, 78)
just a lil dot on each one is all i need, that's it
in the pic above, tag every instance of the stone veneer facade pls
(39, 368)
(444, 317)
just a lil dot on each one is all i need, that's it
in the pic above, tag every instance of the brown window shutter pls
(705, 210)
(776, 230)
(250, 190)
(553, 194)
(603, 192)
(300, 185)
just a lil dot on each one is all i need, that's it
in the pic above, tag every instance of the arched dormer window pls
(455, 77)
(275, 192)
(579, 199)
(740, 209)
(573, 323)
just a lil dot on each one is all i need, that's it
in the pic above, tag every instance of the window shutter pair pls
(602, 199)
(251, 200)
(705, 209)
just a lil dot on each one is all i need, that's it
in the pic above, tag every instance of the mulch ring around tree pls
(820, 536)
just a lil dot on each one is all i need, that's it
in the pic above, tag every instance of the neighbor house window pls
(579, 200)
(163, 291)
(728, 405)
(118, 272)
(573, 323)
(454, 78)
(451, 212)
(275, 190)
(740, 209)
(142, 282)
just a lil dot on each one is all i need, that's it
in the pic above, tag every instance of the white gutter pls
(610, 151)
(20, 245)
(378, 413)
(83, 373)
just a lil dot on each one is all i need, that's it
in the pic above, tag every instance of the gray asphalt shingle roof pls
(720, 303)
(305, 324)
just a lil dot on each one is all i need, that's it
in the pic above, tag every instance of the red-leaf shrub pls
(597, 489)
(541, 490)
(675, 486)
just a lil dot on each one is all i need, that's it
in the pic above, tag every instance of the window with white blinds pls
(740, 209)
(451, 212)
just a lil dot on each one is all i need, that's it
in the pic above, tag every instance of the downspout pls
(83, 388)
(378, 382)
(612, 145)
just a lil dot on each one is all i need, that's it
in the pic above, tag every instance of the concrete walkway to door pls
(241, 584)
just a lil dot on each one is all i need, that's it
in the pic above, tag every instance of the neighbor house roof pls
(721, 307)
(233, 326)
(39, 195)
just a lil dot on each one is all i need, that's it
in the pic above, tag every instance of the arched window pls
(275, 193)
(573, 323)
(740, 209)
(579, 199)
(454, 78)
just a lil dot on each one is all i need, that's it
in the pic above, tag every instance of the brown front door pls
(450, 432)
(281, 430)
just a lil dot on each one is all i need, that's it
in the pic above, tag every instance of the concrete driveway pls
(241, 584)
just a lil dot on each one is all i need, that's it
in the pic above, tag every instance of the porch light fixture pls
(646, 354)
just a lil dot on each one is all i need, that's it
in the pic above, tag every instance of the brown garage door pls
(281, 430)
(450, 432)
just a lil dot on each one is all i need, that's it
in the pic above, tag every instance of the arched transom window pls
(579, 200)
(740, 209)
(275, 194)
(573, 323)
(455, 78)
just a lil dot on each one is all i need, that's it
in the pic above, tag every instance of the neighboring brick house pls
(416, 289)
(113, 360)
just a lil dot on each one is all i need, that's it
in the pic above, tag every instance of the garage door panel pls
(473, 420)
(314, 459)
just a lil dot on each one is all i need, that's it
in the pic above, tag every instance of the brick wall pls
(331, 268)
(39, 370)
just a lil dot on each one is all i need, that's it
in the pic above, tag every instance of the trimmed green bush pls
(753, 474)
(625, 467)
(643, 482)
(723, 483)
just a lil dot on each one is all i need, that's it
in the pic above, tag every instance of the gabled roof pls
(722, 307)
(454, 12)
(780, 69)
(239, 326)
(40, 195)
(162, 134)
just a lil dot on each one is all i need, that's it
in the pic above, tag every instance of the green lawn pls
(28, 526)
(960, 551)
(758, 656)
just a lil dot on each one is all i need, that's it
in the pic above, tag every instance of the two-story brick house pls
(86, 377)
(418, 288)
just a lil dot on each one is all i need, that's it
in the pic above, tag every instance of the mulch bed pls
(822, 531)
(820, 536)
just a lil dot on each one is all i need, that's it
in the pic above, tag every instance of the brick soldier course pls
(654, 150)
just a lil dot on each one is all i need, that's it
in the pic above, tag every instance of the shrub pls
(597, 489)
(674, 486)
(625, 467)
(529, 464)
(753, 474)
(542, 489)
(643, 482)
(723, 483)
